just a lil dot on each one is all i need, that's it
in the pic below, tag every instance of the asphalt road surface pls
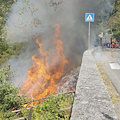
(110, 60)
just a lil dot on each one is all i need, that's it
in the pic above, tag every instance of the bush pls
(9, 97)
(51, 108)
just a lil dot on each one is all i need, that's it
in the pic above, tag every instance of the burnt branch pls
(55, 4)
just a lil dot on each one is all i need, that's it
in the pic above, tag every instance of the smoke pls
(33, 19)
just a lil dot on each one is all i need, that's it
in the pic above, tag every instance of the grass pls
(110, 88)
(115, 97)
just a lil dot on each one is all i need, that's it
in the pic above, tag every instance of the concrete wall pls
(91, 101)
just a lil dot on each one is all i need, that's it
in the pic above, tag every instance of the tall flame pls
(43, 78)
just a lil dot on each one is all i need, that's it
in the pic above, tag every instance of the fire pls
(43, 77)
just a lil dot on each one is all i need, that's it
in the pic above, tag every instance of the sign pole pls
(89, 17)
(89, 36)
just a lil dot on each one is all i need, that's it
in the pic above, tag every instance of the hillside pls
(114, 21)
(70, 41)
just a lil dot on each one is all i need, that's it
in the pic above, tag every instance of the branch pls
(70, 92)
(18, 5)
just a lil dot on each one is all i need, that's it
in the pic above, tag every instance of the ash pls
(69, 82)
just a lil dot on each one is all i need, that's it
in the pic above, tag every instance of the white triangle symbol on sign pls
(89, 17)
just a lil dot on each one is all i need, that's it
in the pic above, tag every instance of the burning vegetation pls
(43, 77)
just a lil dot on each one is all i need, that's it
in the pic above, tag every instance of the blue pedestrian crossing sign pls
(89, 17)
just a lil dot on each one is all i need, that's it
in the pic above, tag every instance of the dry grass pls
(115, 97)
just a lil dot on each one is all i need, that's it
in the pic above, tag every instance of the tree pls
(114, 21)
(9, 97)
(4, 10)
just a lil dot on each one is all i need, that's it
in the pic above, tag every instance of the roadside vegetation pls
(110, 23)
(9, 97)
(9, 50)
(5, 6)
(115, 97)
(6, 49)
(114, 21)
(52, 108)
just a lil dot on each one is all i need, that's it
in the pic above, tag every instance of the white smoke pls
(37, 18)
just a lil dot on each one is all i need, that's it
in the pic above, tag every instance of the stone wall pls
(91, 101)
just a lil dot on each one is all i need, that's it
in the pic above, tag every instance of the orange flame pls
(43, 78)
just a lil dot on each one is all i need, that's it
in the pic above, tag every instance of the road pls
(110, 60)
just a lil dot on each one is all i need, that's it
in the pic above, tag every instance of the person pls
(111, 43)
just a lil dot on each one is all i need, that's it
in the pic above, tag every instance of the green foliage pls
(101, 27)
(3, 47)
(5, 6)
(110, 22)
(114, 21)
(52, 108)
(102, 17)
(8, 50)
(7, 115)
(9, 97)
(4, 74)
